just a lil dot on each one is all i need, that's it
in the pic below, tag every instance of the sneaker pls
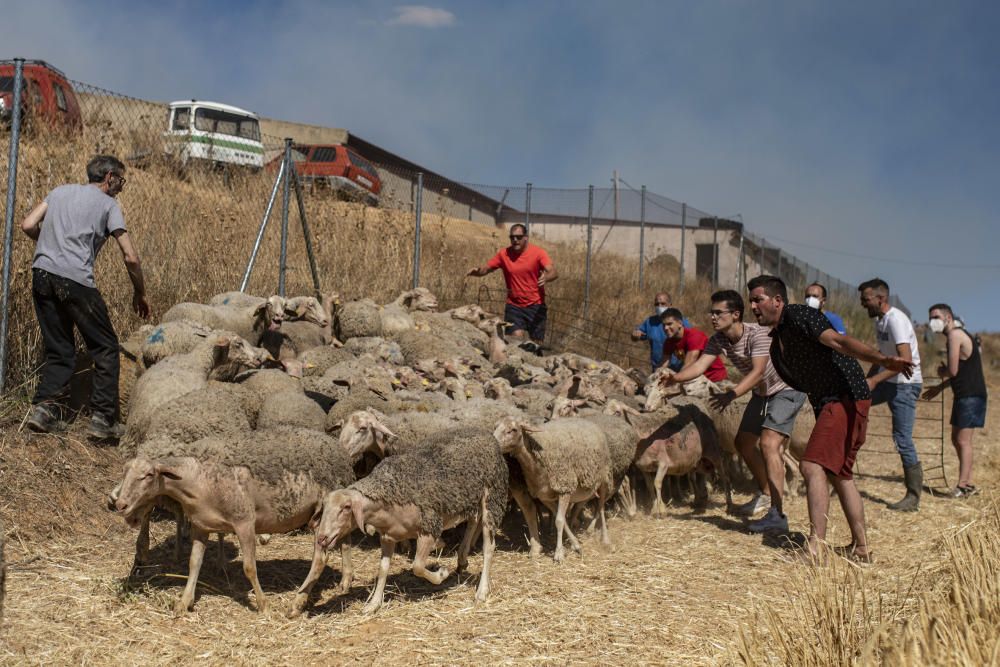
(44, 420)
(964, 491)
(103, 429)
(771, 523)
(757, 504)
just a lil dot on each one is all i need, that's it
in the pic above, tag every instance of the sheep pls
(291, 407)
(168, 338)
(419, 345)
(455, 331)
(454, 477)
(396, 315)
(236, 299)
(249, 322)
(563, 461)
(533, 400)
(306, 326)
(498, 389)
(358, 398)
(472, 313)
(358, 319)
(317, 360)
(177, 375)
(269, 481)
(380, 348)
(211, 410)
(496, 350)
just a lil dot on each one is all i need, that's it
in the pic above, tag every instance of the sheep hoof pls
(370, 608)
(559, 556)
(181, 607)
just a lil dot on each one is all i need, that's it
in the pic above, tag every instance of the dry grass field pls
(691, 588)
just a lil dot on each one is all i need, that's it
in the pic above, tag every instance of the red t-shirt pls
(693, 339)
(521, 272)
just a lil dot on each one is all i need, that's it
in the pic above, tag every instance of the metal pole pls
(416, 236)
(615, 181)
(285, 198)
(779, 263)
(762, 270)
(741, 266)
(642, 237)
(715, 252)
(263, 226)
(527, 208)
(308, 236)
(590, 238)
(8, 247)
(684, 216)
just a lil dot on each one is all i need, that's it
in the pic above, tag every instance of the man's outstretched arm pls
(853, 347)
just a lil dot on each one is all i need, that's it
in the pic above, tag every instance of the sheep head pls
(363, 431)
(565, 407)
(342, 511)
(619, 409)
(498, 389)
(419, 298)
(306, 308)
(270, 314)
(144, 481)
(472, 313)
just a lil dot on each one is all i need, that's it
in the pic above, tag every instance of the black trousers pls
(61, 303)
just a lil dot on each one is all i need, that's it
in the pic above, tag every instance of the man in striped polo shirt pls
(768, 417)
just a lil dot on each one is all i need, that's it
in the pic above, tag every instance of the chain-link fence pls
(202, 176)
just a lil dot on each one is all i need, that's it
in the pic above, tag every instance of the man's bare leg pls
(854, 510)
(818, 501)
(746, 445)
(961, 438)
(771, 444)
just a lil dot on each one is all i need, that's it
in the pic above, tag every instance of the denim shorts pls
(968, 412)
(775, 413)
(527, 318)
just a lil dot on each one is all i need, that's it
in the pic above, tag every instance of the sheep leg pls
(651, 489)
(221, 552)
(700, 490)
(425, 543)
(463, 550)
(658, 507)
(489, 545)
(315, 570)
(248, 545)
(626, 495)
(561, 527)
(601, 502)
(375, 601)
(199, 539)
(346, 567)
(527, 506)
(142, 540)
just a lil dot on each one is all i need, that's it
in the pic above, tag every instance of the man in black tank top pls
(963, 372)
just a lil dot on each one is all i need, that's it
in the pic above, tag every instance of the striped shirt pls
(755, 342)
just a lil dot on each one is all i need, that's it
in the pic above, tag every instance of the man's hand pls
(721, 401)
(942, 371)
(898, 365)
(140, 305)
(667, 379)
(638, 335)
(474, 271)
(871, 383)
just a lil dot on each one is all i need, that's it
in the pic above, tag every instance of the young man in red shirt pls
(688, 343)
(526, 270)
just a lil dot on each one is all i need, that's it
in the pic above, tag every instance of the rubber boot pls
(913, 478)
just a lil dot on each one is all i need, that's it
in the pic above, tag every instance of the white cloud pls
(422, 16)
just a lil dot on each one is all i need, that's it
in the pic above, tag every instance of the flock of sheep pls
(256, 416)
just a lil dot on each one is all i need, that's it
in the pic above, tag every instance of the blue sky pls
(842, 128)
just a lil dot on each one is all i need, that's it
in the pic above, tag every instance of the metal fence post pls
(308, 236)
(715, 251)
(527, 208)
(684, 217)
(741, 265)
(642, 237)
(285, 198)
(590, 238)
(8, 241)
(263, 226)
(763, 271)
(779, 263)
(416, 236)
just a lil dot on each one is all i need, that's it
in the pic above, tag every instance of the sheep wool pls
(573, 453)
(358, 318)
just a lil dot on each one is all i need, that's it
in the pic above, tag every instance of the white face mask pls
(812, 302)
(661, 309)
(936, 325)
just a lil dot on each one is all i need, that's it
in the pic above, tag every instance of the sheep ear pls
(316, 518)
(383, 429)
(260, 310)
(358, 511)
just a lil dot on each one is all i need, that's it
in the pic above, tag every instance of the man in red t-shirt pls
(688, 343)
(526, 270)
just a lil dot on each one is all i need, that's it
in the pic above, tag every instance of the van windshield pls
(6, 84)
(223, 122)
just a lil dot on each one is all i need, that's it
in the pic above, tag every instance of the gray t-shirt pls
(78, 221)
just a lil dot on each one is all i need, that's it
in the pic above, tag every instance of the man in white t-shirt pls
(896, 337)
(770, 414)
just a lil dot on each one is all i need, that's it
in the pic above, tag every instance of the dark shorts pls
(839, 433)
(969, 412)
(526, 318)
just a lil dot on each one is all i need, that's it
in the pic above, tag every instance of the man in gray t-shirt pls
(70, 227)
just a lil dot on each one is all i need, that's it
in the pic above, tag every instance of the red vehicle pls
(337, 167)
(46, 94)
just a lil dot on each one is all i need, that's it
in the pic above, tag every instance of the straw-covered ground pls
(688, 589)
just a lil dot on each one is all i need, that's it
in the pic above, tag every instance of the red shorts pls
(838, 435)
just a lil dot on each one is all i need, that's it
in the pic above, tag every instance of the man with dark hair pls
(70, 228)
(813, 358)
(688, 343)
(896, 337)
(963, 372)
(816, 298)
(526, 270)
(768, 417)
(651, 329)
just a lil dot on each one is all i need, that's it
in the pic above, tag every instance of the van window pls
(223, 122)
(60, 97)
(363, 164)
(36, 93)
(182, 119)
(325, 154)
(300, 153)
(6, 84)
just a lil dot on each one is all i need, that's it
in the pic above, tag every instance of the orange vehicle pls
(46, 95)
(337, 167)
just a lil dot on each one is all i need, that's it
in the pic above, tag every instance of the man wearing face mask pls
(526, 270)
(896, 337)
(651, 329)
(963, 372)
(70, 227)
(816, 298)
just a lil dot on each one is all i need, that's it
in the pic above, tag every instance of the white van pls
(218, 133)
